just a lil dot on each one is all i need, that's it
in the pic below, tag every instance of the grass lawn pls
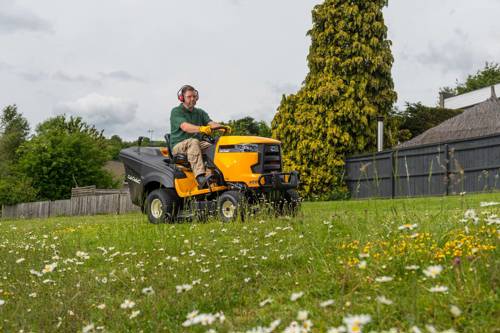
(314, 272)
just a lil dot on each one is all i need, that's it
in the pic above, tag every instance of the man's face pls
(190, 98)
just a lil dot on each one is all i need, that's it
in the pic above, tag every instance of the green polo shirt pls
(179, 115)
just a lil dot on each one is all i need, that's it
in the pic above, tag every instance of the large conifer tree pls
(349, 84)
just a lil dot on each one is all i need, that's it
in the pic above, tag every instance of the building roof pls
(469, 99)
(479, 120)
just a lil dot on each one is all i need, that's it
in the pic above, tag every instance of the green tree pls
(418, 118)
(348, 85)
(63, 154)
(488, 76)
(249, 126)
(15, 187)
(115, 144)
(14, 130)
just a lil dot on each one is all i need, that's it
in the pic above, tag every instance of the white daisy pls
(356, 322)
(412, 267)
(302, 315)
(296, 296)
(326, 303)
(439, 289)
(148, 291)
(384, 279)
(88, 328)
(127, 304)
(455, 311)
(384, 300)
(265, 302)
(486, 204)
(433, 271)
(134, 314)
(408, 226)
(49, 268)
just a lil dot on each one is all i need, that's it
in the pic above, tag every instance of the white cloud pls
(15, 18)
(102, 111)
(121, 76)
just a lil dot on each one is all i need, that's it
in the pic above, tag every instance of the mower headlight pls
(244, 148)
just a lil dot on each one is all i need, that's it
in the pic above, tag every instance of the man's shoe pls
(202, 181)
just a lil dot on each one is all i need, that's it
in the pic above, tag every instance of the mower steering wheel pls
(221, 128)
(211, 139)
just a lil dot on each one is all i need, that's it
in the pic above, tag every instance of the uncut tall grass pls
(332, 251)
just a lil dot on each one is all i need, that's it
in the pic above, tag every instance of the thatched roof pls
(481, 119)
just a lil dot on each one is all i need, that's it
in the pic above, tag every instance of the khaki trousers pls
(193, 148)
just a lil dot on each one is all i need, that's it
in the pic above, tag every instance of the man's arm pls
(189, 128)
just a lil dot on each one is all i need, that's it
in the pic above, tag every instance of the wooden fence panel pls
(126, 204)
(107, 202)
(60, 208)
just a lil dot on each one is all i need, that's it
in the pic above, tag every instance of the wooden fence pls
(84, 201)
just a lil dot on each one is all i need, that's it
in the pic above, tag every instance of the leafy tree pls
(14, 186)
(115, 144)
(65, 153)
(485, 77)
(418, 118)
(348, 85)
(14, 130)
(249, 126)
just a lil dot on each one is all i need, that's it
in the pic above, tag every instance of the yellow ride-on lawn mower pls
(246, 171)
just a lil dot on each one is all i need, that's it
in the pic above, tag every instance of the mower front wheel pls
(231, 206)
(162, 205)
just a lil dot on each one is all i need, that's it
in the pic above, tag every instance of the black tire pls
(162, 205)
(231, 206)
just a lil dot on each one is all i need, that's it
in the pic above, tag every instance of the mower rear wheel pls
(162, 205)
(231, 206)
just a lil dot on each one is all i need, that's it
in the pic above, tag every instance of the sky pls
(119, 64)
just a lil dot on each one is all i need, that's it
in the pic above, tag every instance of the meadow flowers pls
(148, 291)
(408, 226)
(439, 289)
(296, 296)
(455, 311)
(183, 287)
(355, 323)
(127, 304)
(383, 279)
(433, 271)
(204, 319)
(326, 303)
(384, 300)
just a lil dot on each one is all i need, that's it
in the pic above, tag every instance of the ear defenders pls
(182, 91)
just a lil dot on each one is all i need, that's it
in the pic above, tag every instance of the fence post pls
(447, 159)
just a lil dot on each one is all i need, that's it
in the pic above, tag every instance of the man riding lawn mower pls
(202, 175)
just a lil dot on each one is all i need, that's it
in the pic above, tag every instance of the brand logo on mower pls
(134, 179)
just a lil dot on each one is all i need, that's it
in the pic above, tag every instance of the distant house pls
(480, 117)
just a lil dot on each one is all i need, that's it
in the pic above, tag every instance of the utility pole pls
(150, 131)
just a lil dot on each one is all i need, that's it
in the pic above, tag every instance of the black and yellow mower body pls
(244, 170)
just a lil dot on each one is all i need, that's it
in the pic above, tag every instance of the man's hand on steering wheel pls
(206, 130)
